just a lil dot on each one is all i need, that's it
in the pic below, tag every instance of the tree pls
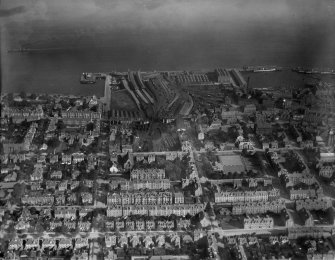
(64, 229)
(25, 124)
(33, 96)
(211, 156)
(10, 97)
(60, 125)
(53, 143)
(90, 126)
(39, 228)
(18, 192)
(23, 95)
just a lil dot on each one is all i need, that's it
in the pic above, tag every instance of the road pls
(255, 149)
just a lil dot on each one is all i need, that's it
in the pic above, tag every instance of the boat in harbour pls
(314, 71)
(265, 69)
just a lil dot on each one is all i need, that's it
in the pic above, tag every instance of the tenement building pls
(245, 196)
(80, 117)
(139, 198)
(147, 174)
(258, 207)
(258, 223)
(313, 204)
(154, 210)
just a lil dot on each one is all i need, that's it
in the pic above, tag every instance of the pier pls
(135, 86)
(125, 84)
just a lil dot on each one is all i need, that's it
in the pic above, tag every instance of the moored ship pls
(265, 69)
(261, 68)
(314, 71)
(19, 50)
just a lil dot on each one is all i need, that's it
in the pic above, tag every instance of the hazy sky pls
(303, 23)
(167, 15)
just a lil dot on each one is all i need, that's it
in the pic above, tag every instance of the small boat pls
(265, 69)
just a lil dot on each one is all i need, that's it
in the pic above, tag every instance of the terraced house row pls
(60, 198)
(144, 198)
(42, 243)
(147, 224)
(18, 115)
(258, 207)
(147, 174)
(313, 204)
(245, 196)
(258, 223)
(153, 184)
(80, 117)
(151, 210)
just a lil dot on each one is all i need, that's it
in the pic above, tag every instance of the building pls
(56, 175)
(327, 171)
(66, 158)
(86, 198)
(10, 147)
(38, 200)
(139, 198)
(249, 109)
(201, 133)
(48, 243)
(147, 174)
(140, 225)
(245, 145)
(157, 210)
(258, 223)
(80, 117)
(32, 243)
(192, 78)
(15, 244)
(316, 232)
(245, 196)
(302, 194)
(178, 198)
(313, 204)
(292, 179)
(308, 144)
(64, 243)
(78, 157)
(230, 116)
(65, 213)
(19, 115)
(327, 157)
(274, 144)
(81, 242)
(153, 184)
(258, 207)
(110, 240)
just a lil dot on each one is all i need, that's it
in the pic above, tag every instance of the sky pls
(165, 14)
(42, 23)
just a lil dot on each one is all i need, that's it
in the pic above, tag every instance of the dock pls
(136, 88)
(88, 78)
(126, 86)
